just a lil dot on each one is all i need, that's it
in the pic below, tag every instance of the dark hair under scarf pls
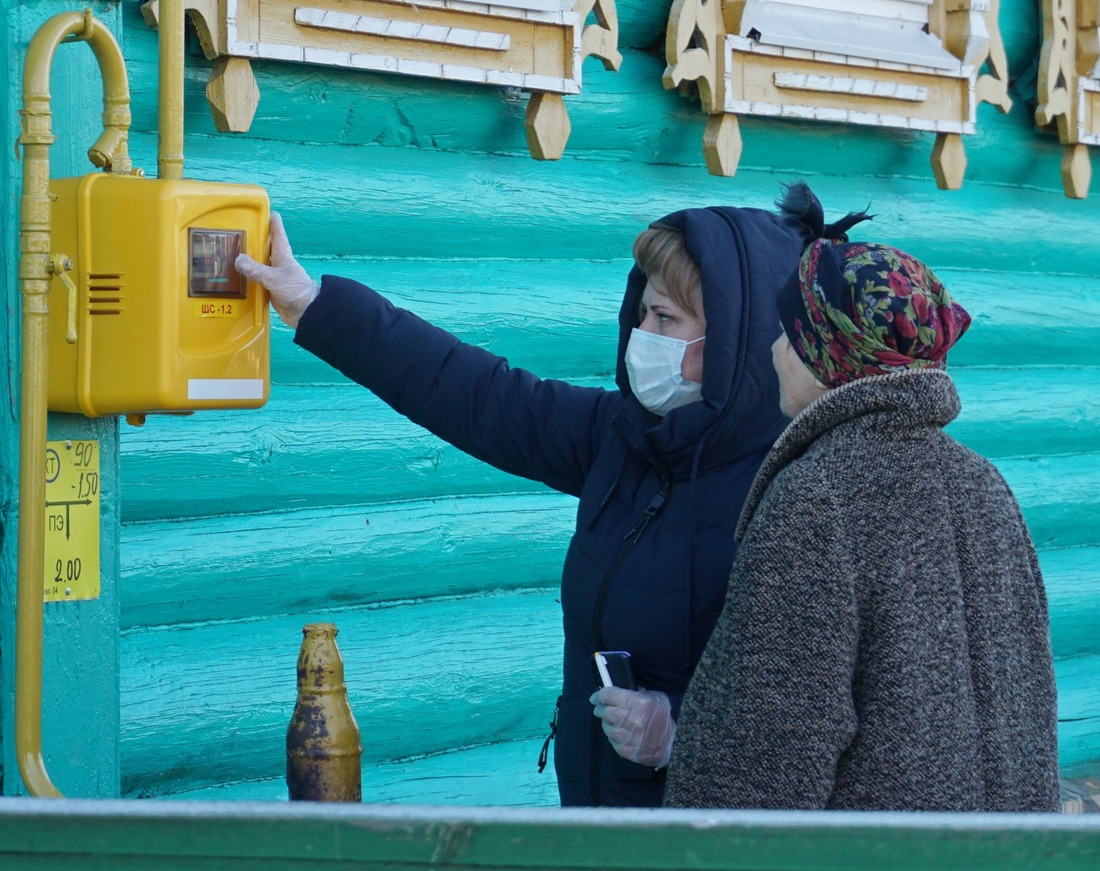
(854, 309)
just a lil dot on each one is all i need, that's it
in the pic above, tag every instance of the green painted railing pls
(91, 835)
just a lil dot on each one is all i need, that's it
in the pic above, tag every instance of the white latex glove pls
(291, 289)
(638, 723)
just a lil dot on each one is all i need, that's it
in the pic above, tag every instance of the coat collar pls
(900, 400)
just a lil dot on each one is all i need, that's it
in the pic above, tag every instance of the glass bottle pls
(323, 752)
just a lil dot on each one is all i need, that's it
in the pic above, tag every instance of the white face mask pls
(654, 366)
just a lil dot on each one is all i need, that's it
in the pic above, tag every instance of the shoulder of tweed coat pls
(885, 641)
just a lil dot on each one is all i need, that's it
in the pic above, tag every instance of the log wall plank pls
(210, 703)
(235, 567)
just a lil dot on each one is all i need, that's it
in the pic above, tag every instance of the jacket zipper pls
(631, 538)
(597, 617)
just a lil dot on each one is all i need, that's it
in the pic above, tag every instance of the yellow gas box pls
(160, 320)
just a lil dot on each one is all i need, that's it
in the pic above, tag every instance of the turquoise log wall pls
(441, 573)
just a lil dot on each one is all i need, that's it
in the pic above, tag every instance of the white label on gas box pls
(225, 388)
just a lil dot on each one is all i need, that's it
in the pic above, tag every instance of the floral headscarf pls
(854, 309)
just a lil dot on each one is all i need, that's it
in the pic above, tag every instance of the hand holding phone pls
(612, 668)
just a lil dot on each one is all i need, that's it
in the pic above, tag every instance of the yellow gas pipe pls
(170, 50)
(35, 266)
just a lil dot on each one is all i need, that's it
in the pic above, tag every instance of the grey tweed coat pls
(885, 642)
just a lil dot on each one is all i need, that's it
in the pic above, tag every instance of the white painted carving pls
(534, 45)
(908, 64)
(844, 85)
(328, 19)
(548, 12)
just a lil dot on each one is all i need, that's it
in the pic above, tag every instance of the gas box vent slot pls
(105, 295)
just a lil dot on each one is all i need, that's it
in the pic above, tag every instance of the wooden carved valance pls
(911, 64)
(534, 45)
(1069, 85)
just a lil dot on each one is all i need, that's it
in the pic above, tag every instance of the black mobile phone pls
(612, 668)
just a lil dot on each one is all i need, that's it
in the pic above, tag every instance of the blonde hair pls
(661, 253)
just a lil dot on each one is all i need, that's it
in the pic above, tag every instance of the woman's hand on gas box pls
(638, 723)
(291, 289)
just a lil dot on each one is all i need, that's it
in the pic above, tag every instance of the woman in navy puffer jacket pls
(648, 565)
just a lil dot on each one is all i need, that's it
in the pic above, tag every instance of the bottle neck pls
(320, 667)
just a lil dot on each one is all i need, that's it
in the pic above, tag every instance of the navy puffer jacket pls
(648, 564)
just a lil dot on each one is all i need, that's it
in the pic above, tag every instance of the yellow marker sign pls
(72, 520)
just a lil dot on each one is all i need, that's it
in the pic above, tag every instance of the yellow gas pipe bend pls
(109, 151)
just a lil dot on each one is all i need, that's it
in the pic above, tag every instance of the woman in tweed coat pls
(884, 642)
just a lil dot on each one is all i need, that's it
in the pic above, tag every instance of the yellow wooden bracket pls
(534, 45)
(882, 63)
(1069, 85)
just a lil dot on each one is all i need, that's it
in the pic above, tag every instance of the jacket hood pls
(744, 257)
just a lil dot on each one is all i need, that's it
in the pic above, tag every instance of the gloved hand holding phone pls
(638, 723)
(291, 289)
